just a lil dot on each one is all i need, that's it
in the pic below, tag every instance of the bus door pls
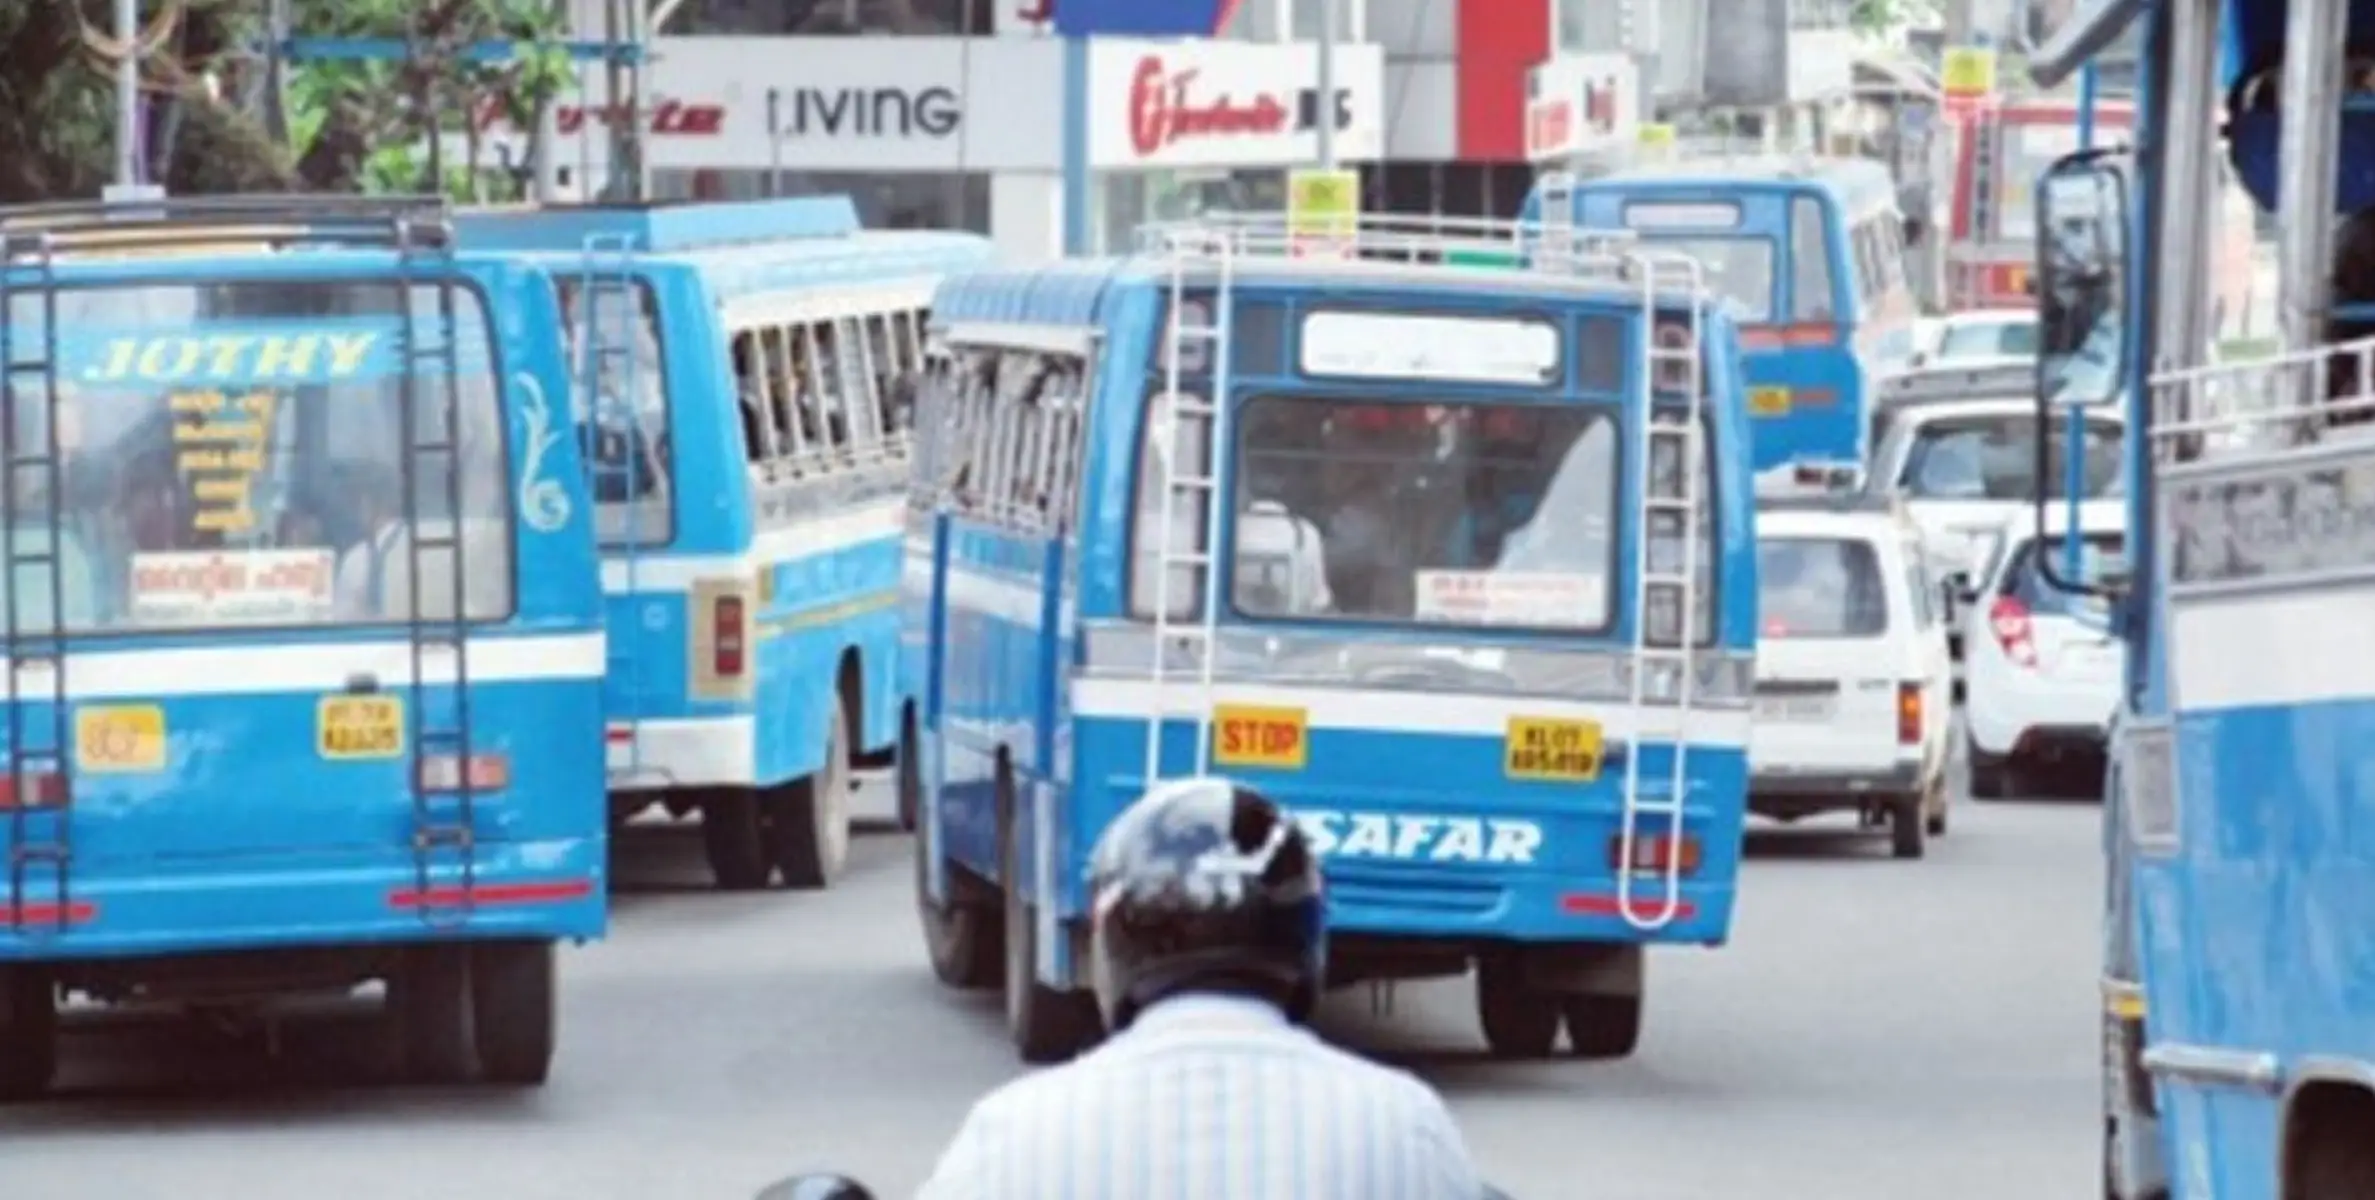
(296, 480)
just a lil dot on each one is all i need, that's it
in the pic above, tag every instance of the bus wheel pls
(807, 823)
(28, 1033)
(960, 938)
(1518, 1020)
(731, 839)
(1047, 1025)
(512, 1006)
(2332, 1157)
(429, 999)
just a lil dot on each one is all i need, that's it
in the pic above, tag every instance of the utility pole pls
(127, 94)
(1327, 84)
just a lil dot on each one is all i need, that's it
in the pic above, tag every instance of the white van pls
(1854, 690)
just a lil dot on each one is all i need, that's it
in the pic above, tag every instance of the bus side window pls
(1069, 392)
(977, 382)
(1810, 263)
(858, 405)
(783, 388)
(821, 400)
(758, 443)
(881, 351)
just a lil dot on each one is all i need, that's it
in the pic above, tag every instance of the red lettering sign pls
(1600, 103)
(1164, 113)
(663, 118)
(1550, 125)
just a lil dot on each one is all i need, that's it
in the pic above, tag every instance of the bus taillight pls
(446, 773)
(731, 637)
(1656, 854)
(32, 790)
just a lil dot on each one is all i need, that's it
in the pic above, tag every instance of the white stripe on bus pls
(250, 669)
(659, 572)
(2289, 648)
(1379, 711)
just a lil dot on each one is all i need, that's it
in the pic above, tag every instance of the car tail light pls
(732, 636)
(1656, 854)
(31, 790)
(2008, 619)
(445, 773)
(1908, 714)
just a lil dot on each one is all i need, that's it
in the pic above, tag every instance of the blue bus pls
(745, 379)
(1811, 254)
(1411, 547)
(2241, 1047)
(304, 654)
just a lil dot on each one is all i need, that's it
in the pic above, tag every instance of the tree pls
(348, 125)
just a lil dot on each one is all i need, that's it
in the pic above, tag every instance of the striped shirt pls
(1209, 1098)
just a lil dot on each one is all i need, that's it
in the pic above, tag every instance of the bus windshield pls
(1479, 514)
(232, 454)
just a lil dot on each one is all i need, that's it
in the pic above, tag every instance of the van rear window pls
(1811, 587)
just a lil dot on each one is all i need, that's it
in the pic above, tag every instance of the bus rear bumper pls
(556, 890)
(654, 754)
(1529, 911)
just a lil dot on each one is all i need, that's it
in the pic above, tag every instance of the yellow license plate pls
(1561, 751)
(1251, 736)
(119, 738)
(1768, 401)
(360, 727)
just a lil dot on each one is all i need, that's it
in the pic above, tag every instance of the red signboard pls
(1498, 42)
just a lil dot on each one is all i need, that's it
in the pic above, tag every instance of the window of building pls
(828, 18)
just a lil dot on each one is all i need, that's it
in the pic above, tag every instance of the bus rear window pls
(1820, 588)
(233, 455)
(1739, 269)
(630, 466)
(1454, 514)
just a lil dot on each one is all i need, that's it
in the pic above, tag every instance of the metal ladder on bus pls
(444, 810)
(1193, 254)
(608, 387)
(41, 784)
(1554, 218)
(1663, 671)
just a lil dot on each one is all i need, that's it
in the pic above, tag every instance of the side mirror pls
(1494, 1193)
(817, 1185)
(2082, 224)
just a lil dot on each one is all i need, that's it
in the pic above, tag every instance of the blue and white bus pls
(1810, 252)
(745, 375)
(1409, 547)
(304, 649)
(2241, 1025)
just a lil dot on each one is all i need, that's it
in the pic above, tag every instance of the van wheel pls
(513, 1005)
(961, 939)
(808, 822)
(1905, 826)
(1991, 774)
(730, 838)
(1519, 1022)
(28, 1033)
(1935, 823)
(429, 999)
(1047, 1024)
(1602, 1026)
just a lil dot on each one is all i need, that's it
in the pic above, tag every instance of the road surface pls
(1878, 1029)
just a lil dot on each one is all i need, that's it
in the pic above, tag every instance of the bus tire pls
(1047, 1025)
(2330, 1150)
(731, 839)
(962, 940)
(429, 999)
(1519, 1020)
(28, 1033)
(515, 1011)
(807, 823)
(1602, 1027)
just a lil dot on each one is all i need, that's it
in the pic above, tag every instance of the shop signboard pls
(1581, 104)
(1228, 104)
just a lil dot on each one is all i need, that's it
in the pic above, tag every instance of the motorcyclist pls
(1208, 952)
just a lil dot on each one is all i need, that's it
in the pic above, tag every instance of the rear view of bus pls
(302, 628)
(1462, 517)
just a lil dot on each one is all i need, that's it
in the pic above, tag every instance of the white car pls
(1853, 685)
(1963, 466)
(2041, 668)
(1981, 338)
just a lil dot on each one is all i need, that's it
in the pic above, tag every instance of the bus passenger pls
(373, 523)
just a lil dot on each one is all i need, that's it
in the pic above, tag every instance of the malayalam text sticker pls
(360, 727)
(1563, 751)
(119, 739)
(1250, 736)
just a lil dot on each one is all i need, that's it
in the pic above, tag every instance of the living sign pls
(932, 112)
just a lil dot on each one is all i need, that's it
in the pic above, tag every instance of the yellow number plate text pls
(1565, 751)
(1248, 736)
(360, 727)
(119, 738)
(1768, 401)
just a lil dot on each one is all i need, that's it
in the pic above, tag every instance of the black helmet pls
(1205, 885)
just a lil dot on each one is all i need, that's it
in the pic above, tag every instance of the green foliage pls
(345, 125)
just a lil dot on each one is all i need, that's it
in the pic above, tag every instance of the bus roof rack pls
(360, 222)
(657, 227)
(1960, 383)
(1552, 248)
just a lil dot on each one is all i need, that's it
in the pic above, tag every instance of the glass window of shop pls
(916, 201)
(1587, 26)
(825, 18)
(1127, 200)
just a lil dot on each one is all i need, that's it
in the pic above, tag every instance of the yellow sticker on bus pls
(1555, 750)
(119, 739)
(360, 727)
(1768, 401)
(1253, 736)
